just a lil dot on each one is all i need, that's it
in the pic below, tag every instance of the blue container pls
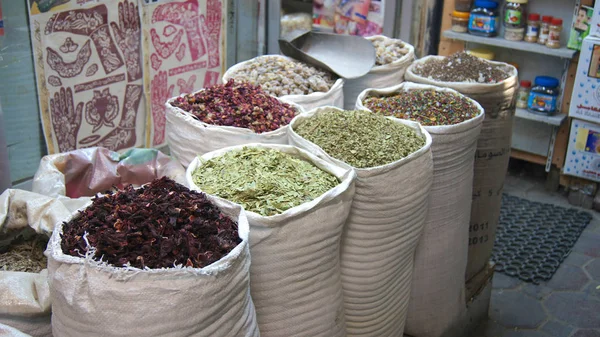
(483, 20)
(544, 95)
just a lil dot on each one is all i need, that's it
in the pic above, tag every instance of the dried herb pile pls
(360, 138)
(264, 181)
(280, 77)
(461, 67)
(23, 252)
(237, 104)
(389, 50)
(428, 107)
(159, 225)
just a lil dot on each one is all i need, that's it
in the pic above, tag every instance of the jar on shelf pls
(514, 13)
(544, 29)
(482, 53)
(544, 95)
(514, 34)
(463, 5)
(460, 21)
(554, 34)
(483, 20)
(533, 28)
(523, 94)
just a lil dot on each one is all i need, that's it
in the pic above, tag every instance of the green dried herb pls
(428, 107)
(264, 181)
(360, 138)
(24, 253)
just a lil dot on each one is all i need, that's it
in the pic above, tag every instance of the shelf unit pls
(555, 120)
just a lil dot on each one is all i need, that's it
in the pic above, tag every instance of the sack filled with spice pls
(26, 222)
(85, 172)
(393, 163)
(159, 260)
(289, 79)
(223, 115)
(493, 85)
(437, 299)
(393, 57)
(8, 331)
(297, 205)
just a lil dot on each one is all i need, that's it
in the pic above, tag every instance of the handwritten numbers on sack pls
(479, 227)
(487, 193)
(478, 240)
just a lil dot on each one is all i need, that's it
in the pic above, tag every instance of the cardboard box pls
(585, 100)
(595, 23)
(583, 153)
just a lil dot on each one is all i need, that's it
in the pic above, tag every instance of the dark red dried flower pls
(238, 104)
(158, 225)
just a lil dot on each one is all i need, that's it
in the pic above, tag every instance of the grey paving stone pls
(513, 309)
(557, 329)
(568, 277)
(593, 289)
(577, 259)
(489, 328)
(502, 281)
(588, 244)
(525, 333)
(539, 291)
(593, 268)
(579, 309)
(587, 333)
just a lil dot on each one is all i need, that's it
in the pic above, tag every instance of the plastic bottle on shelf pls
(544, 29)
(554, 34)
(543, 97)
(533, 28)
(515, 13)
(523, 94)
(460, 21)
(483, 20)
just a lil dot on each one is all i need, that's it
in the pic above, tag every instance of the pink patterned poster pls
(89, 74)
(183, 52)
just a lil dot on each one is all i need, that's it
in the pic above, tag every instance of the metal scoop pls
(345, 55)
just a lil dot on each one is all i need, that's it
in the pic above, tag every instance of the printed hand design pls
(127, 35)
(66, 119)
(161, 92)
(102, 109)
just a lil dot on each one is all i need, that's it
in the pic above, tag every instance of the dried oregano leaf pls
(360, 138)
(264, 181)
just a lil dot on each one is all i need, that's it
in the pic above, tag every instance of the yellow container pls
(482, 53)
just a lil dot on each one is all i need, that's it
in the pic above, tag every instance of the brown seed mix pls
(238, 104)
(462, 67)
(24, 253)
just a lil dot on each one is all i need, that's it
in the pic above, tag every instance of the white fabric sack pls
(382, 76)
(381, 234)
(437, 298)
(491, 157)
(8, 331)
(90, 298)
(295, 271)
(189, 137)
(25, 297)
(334, 97)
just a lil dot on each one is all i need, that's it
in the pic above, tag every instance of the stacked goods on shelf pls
(291, 80)
(297, 205)
(437, 298)
(234, 113)
(393, 57)
(493, 85)
(393, 162)
(177, 263)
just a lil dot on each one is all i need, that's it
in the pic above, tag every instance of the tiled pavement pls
(566, 306)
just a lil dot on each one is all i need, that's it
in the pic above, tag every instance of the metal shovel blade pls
(345, 55)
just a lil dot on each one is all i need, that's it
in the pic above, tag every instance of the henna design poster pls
(183, 51)
(89, 73)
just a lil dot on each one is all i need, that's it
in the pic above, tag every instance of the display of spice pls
(23, 252)
(279, 76)
(160, 225)
(388, 50)
(428, 107)
(367, 140)
(238, 104)
(461, 67)
(264, 181)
